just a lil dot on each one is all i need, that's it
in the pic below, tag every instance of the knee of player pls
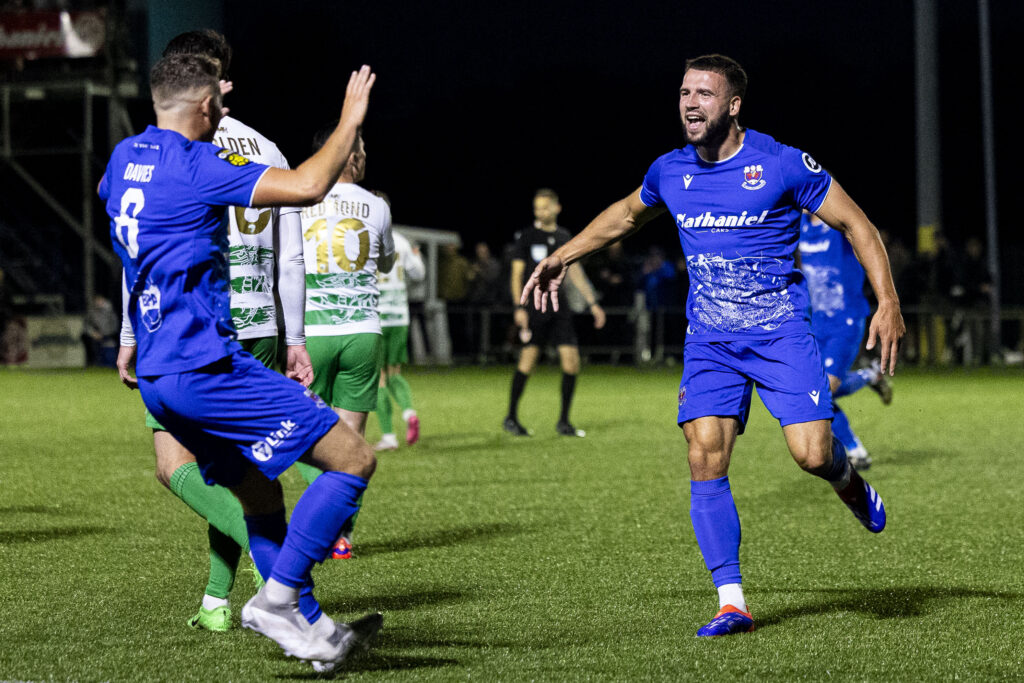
(814, 459)
(163, 476)
(366, 461)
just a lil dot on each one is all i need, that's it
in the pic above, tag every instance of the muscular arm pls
(620, 219)
(843, 214)
(313, 179)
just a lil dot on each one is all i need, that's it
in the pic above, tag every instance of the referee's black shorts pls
(553, 328)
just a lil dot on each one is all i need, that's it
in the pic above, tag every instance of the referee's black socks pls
(518, 384)
(568, 388)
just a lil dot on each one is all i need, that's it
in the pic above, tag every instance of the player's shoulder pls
(787, 155)
(266, 150)
(234, 128)
(680, 155)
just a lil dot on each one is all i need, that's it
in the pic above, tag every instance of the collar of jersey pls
(720, 161)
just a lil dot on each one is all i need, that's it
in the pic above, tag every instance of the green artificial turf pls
(496, 558)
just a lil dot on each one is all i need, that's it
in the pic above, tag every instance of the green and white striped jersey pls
(394, 295)
(344, 237)
(251, 238)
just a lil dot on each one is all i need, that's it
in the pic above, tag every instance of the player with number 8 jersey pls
(165, 191)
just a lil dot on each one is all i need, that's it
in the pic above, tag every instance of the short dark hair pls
(320, 137)
(727, 66)
(547, 192)
(179, 73)
(202, 42)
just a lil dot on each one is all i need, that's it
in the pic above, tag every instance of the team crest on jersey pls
(149, 308)
(682, 396)
(753, 177)
(233, 158)
(812, 165)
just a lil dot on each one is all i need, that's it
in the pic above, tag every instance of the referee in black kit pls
(550, 328)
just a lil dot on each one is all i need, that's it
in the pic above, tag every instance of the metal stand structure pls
(81, 94)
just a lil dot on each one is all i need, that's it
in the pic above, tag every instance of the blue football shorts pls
(839, 343)
(719, 378)
(235, 412)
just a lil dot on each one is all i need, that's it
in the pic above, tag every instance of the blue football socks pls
(854, 380)
(266, 535)
(716, 523)
(317, 519)
(839, 472)
(841, 428)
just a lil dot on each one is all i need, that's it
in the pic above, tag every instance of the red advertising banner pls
(30, 35)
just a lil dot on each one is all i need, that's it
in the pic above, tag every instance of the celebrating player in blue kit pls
(736, 196)
(165, 192)
(835, 280)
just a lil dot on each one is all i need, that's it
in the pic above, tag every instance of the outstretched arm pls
(313, 179)
(618, 220)
(887, 327)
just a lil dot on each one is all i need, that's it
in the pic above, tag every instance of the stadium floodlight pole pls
(929, 161)
(988, 148)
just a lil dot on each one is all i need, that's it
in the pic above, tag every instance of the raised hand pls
(544, 283)
(357, 96)
(887, 328)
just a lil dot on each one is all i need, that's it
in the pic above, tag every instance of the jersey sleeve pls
(805, 178)
(104, 188)
(650, 193)
(282, 163)
(387, 240)
(221, 177)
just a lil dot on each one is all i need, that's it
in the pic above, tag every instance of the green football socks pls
(384, 414)
(399, 388)
(219, 507)
(224, 556)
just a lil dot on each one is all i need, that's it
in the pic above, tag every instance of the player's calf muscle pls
(810, 444)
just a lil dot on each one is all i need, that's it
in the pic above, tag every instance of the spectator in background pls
(452, 274)
(453, 280)
(484, 277)
(100, 333)
(612, 273)
(658, 280)
(971, 292)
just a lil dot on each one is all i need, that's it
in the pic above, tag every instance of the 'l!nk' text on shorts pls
(235, 412)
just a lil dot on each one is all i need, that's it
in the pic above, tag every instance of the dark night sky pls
(478, 104)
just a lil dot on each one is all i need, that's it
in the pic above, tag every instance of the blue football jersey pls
(165, 196)
(835, 277)
(738, 222)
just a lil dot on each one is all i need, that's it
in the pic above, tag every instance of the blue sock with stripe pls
(716, 523)
(317, 520)
(266, 534)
